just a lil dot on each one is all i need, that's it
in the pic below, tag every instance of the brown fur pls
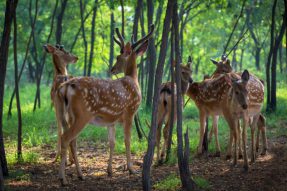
(102, 102)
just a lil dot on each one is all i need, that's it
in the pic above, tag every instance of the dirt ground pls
(268, 173)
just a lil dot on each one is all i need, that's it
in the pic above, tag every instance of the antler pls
(134, 45)
(120, 42)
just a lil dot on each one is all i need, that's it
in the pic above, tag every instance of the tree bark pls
(268, 64)
(123, 17)
(151, 56)
(112, 28)
(185, 176)
(172, 97)
(59, 21)
(278, 41)
(19, 143)
(159, 70)
(1, 179)
(92, 38)
(4, 48)
(82, 10)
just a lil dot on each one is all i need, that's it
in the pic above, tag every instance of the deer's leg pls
(127, 135)
(229, 147)
(253, 127)
(258, 138)
(264, 138)
(73, 152)
(158, 137)
(59, 128)
(112, 142)
(240, 155)
(215, 128)
(202, 117)
(244, 139)
(160, 118)
(66, 138)
(235, 137)
(165, 136)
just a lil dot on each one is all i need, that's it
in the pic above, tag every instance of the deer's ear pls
(245, 76)
(49, 48)
(214, 61)
(227, 62)
(141, 50)
(127, 49)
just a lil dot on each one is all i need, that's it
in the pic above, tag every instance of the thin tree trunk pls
(123, 17)
(241, 59)
(1, 179)
(4, 48)
(111, 37)
(92, 38)
(183, 157)
(59, 21)
(136, 19)
(159, 70)
(84, 37)
(151, 56)
(171, 123)
(281, 57)
(268, 64)
(19, 143)
(278, 40)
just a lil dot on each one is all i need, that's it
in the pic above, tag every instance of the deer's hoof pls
(81, 177)
(245, 168)
(63, 182)
(110, 172)
(240, 156)
(217, 154)
(228, 157)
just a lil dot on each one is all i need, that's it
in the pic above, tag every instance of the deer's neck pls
(131, 69)
(59, 69)
(184, 87)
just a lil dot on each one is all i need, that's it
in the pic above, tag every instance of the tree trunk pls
(1, 179)
(4, 48)
(151, 56)
(268, 64)
(172, 96)
(82, 10)
(112, 28)
(159, 70)
(257, 58)
(241, 59)
(234, 60)
(136, 19)
(19, 143)
(123, 17)
(92, 38)
(59, 21)
(183, 157)
(278, 41)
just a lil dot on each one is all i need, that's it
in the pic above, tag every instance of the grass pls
(39, 127)
(172, 182)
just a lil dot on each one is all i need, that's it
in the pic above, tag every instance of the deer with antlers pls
(103, 102)
(61, 58)
(234, 97)
(164, 107)
(222, 67)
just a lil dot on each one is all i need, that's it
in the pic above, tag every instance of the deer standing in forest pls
(103, 102)
(234, 99)
(61, 58)
(165, 107)
(222, 67)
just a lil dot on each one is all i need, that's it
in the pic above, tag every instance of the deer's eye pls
(236, 92)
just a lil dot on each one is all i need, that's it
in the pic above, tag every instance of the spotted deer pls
(164, 107)
(103, 102)
(60, 58)
(222, 67)
(231, 98)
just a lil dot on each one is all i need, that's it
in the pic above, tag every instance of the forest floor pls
(268, 173)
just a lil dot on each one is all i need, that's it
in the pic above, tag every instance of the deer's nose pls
(190, 80)
(244, 106)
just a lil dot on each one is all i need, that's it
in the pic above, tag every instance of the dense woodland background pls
(207, 29)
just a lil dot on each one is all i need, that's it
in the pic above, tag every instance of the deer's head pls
(129, 51)
(186, 71)
(60, 55)
(223, 66)
(239, 89)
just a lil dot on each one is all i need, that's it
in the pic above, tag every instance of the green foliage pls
(172, 182)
